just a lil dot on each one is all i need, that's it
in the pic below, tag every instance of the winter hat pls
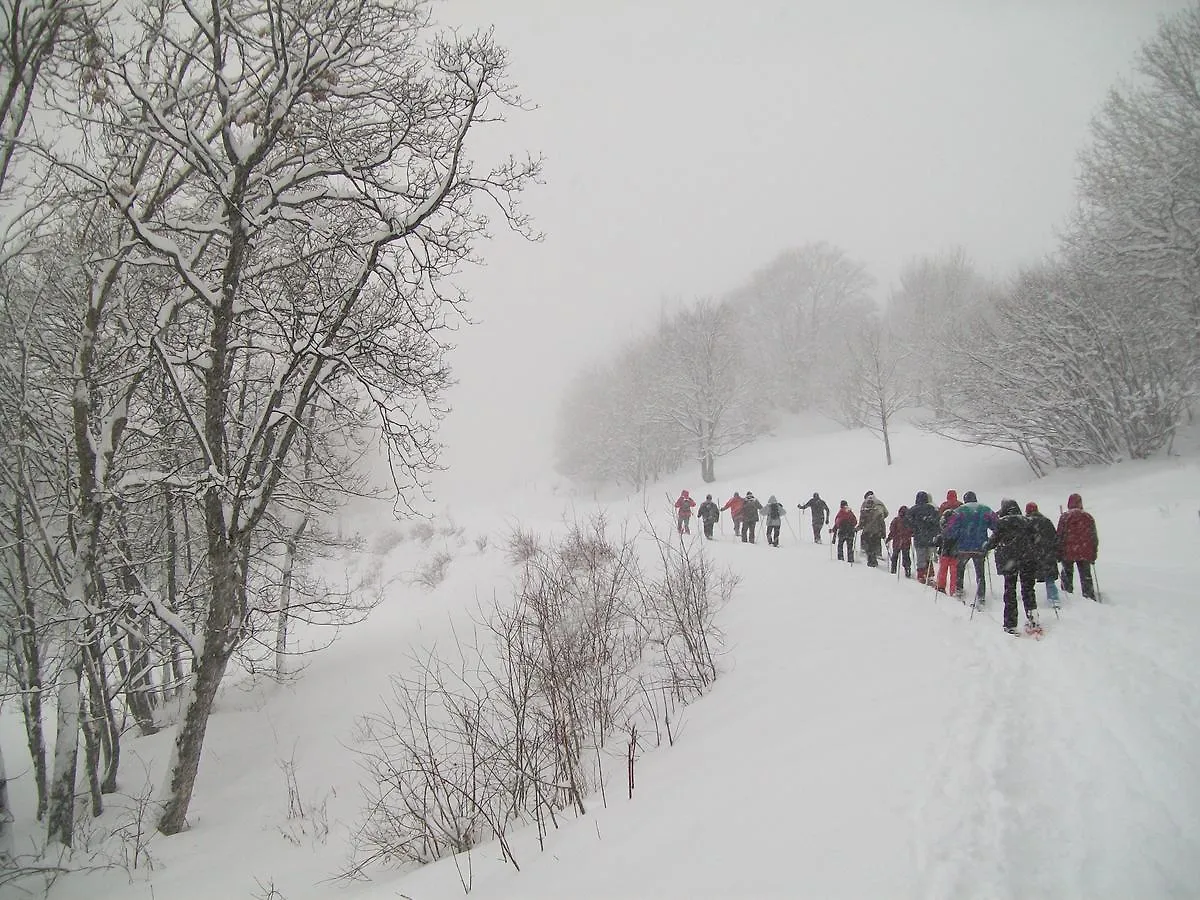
(1074, 502)
(969, 497)
(1030, 508)
(843, 503)
(708, 496)
(772, 499)
(868, 495)
(922, 497)
(749, 495)
(1009, 508)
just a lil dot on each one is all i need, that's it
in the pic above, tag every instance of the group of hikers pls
(1029, 548)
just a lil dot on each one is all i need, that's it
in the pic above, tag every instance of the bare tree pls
(250, 144)
(877, 386)
(705, 383)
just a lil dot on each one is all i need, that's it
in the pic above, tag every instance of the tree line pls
(1091, 355)
(227, 238)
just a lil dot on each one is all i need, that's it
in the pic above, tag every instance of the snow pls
(865, 739)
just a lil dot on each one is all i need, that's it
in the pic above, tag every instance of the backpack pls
(774, 510)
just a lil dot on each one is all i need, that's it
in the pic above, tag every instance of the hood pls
(969, 497)
(901, 511)
(735, 493)
(951, 496)
(772, 499)
(1030, 508)
(816, 496)
(1074, 502)
(843, 504)
(922, 497)
(1009, 508)
(708, 496)
(749, 495)
(683, 494)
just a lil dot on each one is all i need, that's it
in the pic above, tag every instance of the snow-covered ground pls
(865, 740)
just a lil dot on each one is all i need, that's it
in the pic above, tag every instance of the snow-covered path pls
(871, 740)
(866, 739)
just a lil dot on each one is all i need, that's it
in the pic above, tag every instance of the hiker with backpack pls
(969, 527)
(844, 525)
(708, 514)
(751, 507)
(819, 510)
(900, 537)
(734, 505)
(773, 514)
(1078, 546)
(922, 520)
(872, 522)
(1015, 560)
(683, 513)
(1044, 551)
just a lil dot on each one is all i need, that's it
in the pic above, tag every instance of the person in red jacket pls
(951, 502)
(1078, 546)
(683, 513)
(734, 505)
(900, 536)
(844, 525)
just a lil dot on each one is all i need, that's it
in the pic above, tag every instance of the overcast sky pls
(687, 142)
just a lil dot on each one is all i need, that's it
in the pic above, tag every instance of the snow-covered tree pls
(795, 314)
(706, 385)
(246, 148)
(876, 385)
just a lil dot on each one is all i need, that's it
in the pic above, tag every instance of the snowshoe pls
(1011, 630)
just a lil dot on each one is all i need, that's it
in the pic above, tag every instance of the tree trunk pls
(218, 641)
(29, 668)
(60, 817)
(285, 597)
(7, 845)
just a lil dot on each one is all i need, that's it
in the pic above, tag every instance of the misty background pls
(688, 143)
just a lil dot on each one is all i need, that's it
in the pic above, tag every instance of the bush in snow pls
(592, 651)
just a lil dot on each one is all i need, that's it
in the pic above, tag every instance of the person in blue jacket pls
(970, 526)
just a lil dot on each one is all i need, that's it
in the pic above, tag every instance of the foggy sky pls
(687, 142)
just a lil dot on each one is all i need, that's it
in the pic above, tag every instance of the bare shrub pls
(522, 546)
(481, 543)
(424, 531)
(433, 571)
(591, 659)
(388, 540)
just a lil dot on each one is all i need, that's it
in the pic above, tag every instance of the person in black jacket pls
(819, 510)
(923, 519)
(1013, 543)
(751, 507)
(1045, 551)
(708, 513)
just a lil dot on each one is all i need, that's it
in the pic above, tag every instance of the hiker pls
(900, 537)
(1013, 543)
(922, 520)
(773, 513)
(872, 522)
(819, 510)
(844, 525)
(1078, 546)
(1044, 551)
(751, 507)
(969, 526)
(951, 502)
(683, 513)
(947, 572)
(708, 514)
(734, 505)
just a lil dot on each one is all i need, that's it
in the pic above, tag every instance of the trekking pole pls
(1095, 583)
(792, 530)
